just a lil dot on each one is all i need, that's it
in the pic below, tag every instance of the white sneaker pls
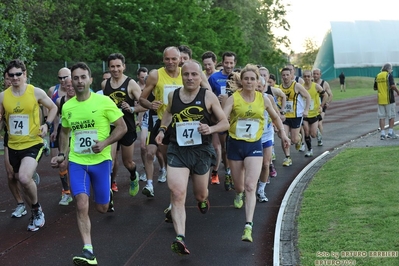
(148, 190)
(20, 211)
(303, 148)
(65, 199)
(36, 220)
(36, 178)
(309, 153)
(392, 136)
(143, 177)
(262, 197)
(162, 177)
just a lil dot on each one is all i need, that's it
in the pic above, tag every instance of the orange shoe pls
(215, 179)
(114, 187)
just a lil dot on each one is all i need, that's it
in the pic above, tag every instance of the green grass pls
(352, 205)
(355, 87)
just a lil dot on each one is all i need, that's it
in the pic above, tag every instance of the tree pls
(306, 59)
(14, 41)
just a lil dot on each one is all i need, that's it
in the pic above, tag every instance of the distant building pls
(359, 48)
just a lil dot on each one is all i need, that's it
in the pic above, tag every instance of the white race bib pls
(84, 140)
(154, 119)
(187, 133)
(247, 128)
(289, 106)
(223, 90)
(167, 89)
(311, 106)
(18, 125)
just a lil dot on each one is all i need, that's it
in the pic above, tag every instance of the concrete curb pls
(284, 231)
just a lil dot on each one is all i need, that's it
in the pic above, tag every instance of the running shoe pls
(111, 207)
(247, 235)
(299, 144)
(382, 137)
(273, 156)
(179, 246)
(148, 190)
(134, 186)
(319, 143)
(114, 187)
(309, 153)
(168, 215)
(204, 206)
(227, 182)
(303, 148)
(66, 198)
(238, 201)
(392, 136)
(272, 170)
(37, 220)
(287, 161)
(86, 258)
(20, 211)
(36, 178)
(215, 179)
(319, 136)
(261, 195)
(143, 177)
(162, 177)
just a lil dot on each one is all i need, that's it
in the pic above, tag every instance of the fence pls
(45, 73)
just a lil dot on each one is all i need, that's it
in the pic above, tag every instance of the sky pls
(310, 19)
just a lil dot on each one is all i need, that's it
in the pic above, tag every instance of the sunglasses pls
(62, 78)
(18, 74)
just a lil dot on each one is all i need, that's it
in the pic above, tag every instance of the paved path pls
(136, 233)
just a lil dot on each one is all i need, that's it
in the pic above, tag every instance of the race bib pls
(311, 106)
(289, 106)
(84, 140)
(19, 125)
(166, 90)
(154, 119)
(187, 133)
(247, 128)
(222, 90)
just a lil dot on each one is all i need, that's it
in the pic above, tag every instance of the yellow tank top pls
(165, 85)
(247, 119)
(294, 105)
(23, 119)
(314, 101)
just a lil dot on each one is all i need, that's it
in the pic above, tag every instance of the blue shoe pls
(134, 186)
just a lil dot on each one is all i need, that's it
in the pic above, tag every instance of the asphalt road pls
(136, 234)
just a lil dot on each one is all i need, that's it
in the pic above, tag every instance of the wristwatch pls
(282, 112)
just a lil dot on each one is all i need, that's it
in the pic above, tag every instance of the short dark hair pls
(209, 54)
(186, 49)
(272, 76)
(81, 65)
(115, 56)
(142, 69)
(285, 69)
(228, 54)
(17, 63)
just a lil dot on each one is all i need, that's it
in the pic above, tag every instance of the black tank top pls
(194, 111)
(269, 90)
(119, 95)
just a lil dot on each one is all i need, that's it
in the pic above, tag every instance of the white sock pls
(261, 187)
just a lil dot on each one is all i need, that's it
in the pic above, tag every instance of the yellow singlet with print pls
(293, 106)
(165, 85)
(23, 119)
(314, 101)
(247, 119)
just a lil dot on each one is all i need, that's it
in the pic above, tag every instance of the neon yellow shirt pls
(89, 120)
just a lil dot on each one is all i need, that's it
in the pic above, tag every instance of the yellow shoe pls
(238, 201)
(247, 235)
